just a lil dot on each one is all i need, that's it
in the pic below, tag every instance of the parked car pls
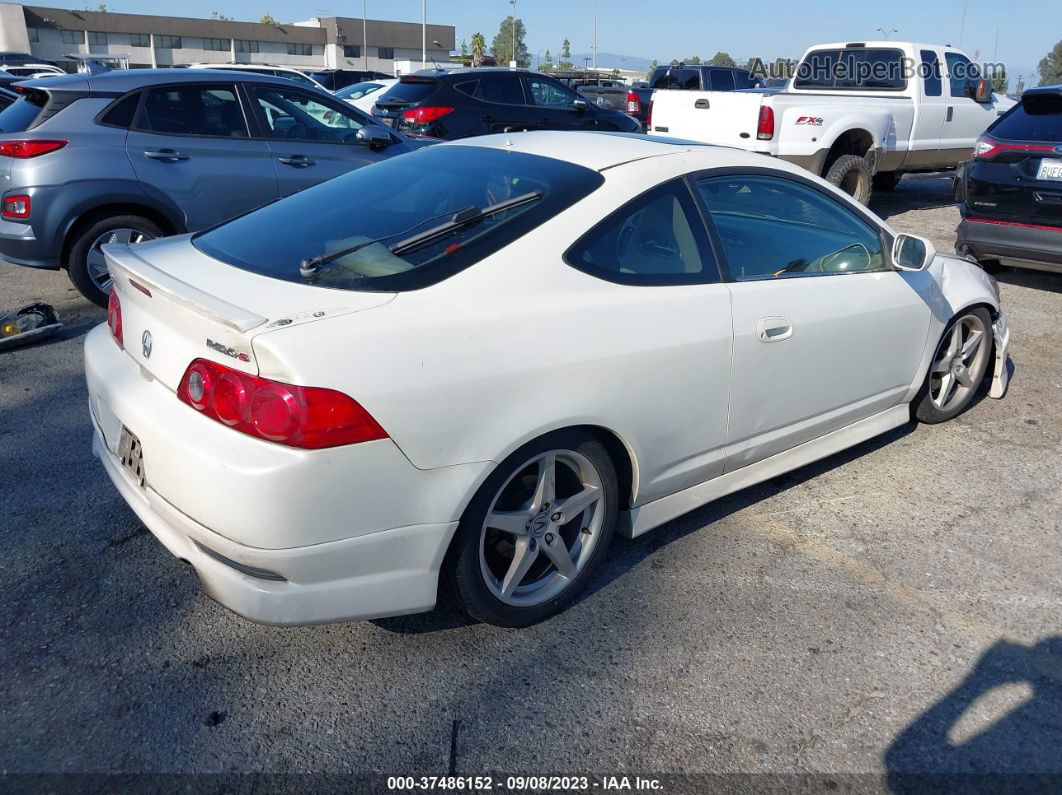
(609, 93)
(18, 58)
(25, 71)
(701, 77)
(336, 79)
(287, 72)
(481, 360)
(136, 154)
(487, 100)
(1010, 193)
(363, 96)
(851, 114)
(7, 96)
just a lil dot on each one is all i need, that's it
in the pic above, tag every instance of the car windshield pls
(358, 90)
(372, 212)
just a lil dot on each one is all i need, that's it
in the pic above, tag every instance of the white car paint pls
(674, 373)
(366, 102)
(909, 128)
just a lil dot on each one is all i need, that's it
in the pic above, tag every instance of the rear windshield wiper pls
(460, 219)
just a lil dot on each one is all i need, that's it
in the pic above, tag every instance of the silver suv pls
(131, 155)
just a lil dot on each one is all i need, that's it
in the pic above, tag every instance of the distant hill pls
(612, 60)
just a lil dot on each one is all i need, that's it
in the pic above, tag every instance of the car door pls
(311, 138)
(502, 105)
(554, 104)
(190, 145)
(930, 109)
(965, 118)
(826, 333)
(668, 293)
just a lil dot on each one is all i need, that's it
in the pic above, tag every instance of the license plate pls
(131, 454)
(1050, 169)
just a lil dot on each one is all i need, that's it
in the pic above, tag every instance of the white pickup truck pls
(858, 113)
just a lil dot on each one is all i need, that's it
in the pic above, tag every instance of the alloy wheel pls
(958, 363)
(97, 263)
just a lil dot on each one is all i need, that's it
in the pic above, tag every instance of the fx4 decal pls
(811, 121)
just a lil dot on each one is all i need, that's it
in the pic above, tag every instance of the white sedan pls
(363, 96)
(472, 365)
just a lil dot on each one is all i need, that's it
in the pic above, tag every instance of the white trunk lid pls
(167, 321)
(726, 118)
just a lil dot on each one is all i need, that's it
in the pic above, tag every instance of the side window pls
(121, 113)
(744, 80)
(772, 227)
(468, 88)
(930, 72)
(291, 115)
(208, 110)
(961, 71)
(546, 94)
(657, 239)
(501, 88)
(722, 80)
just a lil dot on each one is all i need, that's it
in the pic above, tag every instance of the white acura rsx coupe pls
(473, 364)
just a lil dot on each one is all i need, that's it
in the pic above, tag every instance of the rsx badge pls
(232, 352)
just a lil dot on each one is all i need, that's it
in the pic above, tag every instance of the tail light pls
(987, 147)
(633, 105)
(425, 115)
(17, 207)
(765, 127)
(649, 117)
(114, 318)
(296, 416)
(33, 147)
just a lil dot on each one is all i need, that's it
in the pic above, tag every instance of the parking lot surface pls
(892, 609)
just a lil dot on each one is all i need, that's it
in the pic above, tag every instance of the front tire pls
(86, 265)
(535, 532)
(957, 369)
(851, 174)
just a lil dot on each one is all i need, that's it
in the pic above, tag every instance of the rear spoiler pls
(52, 99)
(125, 263)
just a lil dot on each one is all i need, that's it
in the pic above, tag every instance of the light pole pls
(595, 35)
(423, 34)
(365, 34)
(512, 63)
(885, 32)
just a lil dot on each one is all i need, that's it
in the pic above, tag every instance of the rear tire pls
(505, 564)
(957, 369)
(851, 174)
(991, 265)
(886, 180)
(85, 263)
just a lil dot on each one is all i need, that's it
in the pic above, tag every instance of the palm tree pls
(479, 49)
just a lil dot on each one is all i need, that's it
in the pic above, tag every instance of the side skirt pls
(651, 515)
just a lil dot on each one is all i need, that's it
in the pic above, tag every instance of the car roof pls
(603, 150)
(1053, 89)
(122, 80)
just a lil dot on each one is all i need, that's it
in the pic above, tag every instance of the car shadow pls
(914, 192)
(1012, 701)
(626, 554)
(1026, 277)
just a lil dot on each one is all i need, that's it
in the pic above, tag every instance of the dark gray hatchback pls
(132, 155)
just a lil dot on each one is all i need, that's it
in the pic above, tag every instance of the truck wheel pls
(851, 174)
(886, 180)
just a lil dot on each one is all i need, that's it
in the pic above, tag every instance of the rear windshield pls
(864, 69)
(1036, 118)
(409, 93)
(358, 90)
(676, 78)
(383, 208)
(19, 115)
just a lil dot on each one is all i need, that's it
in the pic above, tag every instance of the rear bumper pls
(20, 246)
(1021, 246)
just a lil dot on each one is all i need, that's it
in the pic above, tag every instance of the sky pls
(683, 28)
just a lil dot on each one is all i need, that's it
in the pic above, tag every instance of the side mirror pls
(373, 137)
(912, 253)
(580, 105)
(984, 92)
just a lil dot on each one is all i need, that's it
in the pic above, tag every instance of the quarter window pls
(206, 110)
(773, 228)
(930, 72)
(294, 116)
(650, 241)
(121, 113)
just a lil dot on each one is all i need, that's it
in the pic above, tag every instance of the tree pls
(547, 62)
(696, 59)
(502, 46)
(267, 19)
(722, 59)
(615, 73)
(479, 49)
(219, 16)
(464, 48)
(652, 68)
(565, 61)
(1050, 68)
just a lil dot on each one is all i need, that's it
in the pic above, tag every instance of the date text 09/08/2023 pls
(523, 783)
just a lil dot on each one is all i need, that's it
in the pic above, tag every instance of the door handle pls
(298, 161)
(774, 329)
(165, 155)
(701, 104)
(951, 113)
